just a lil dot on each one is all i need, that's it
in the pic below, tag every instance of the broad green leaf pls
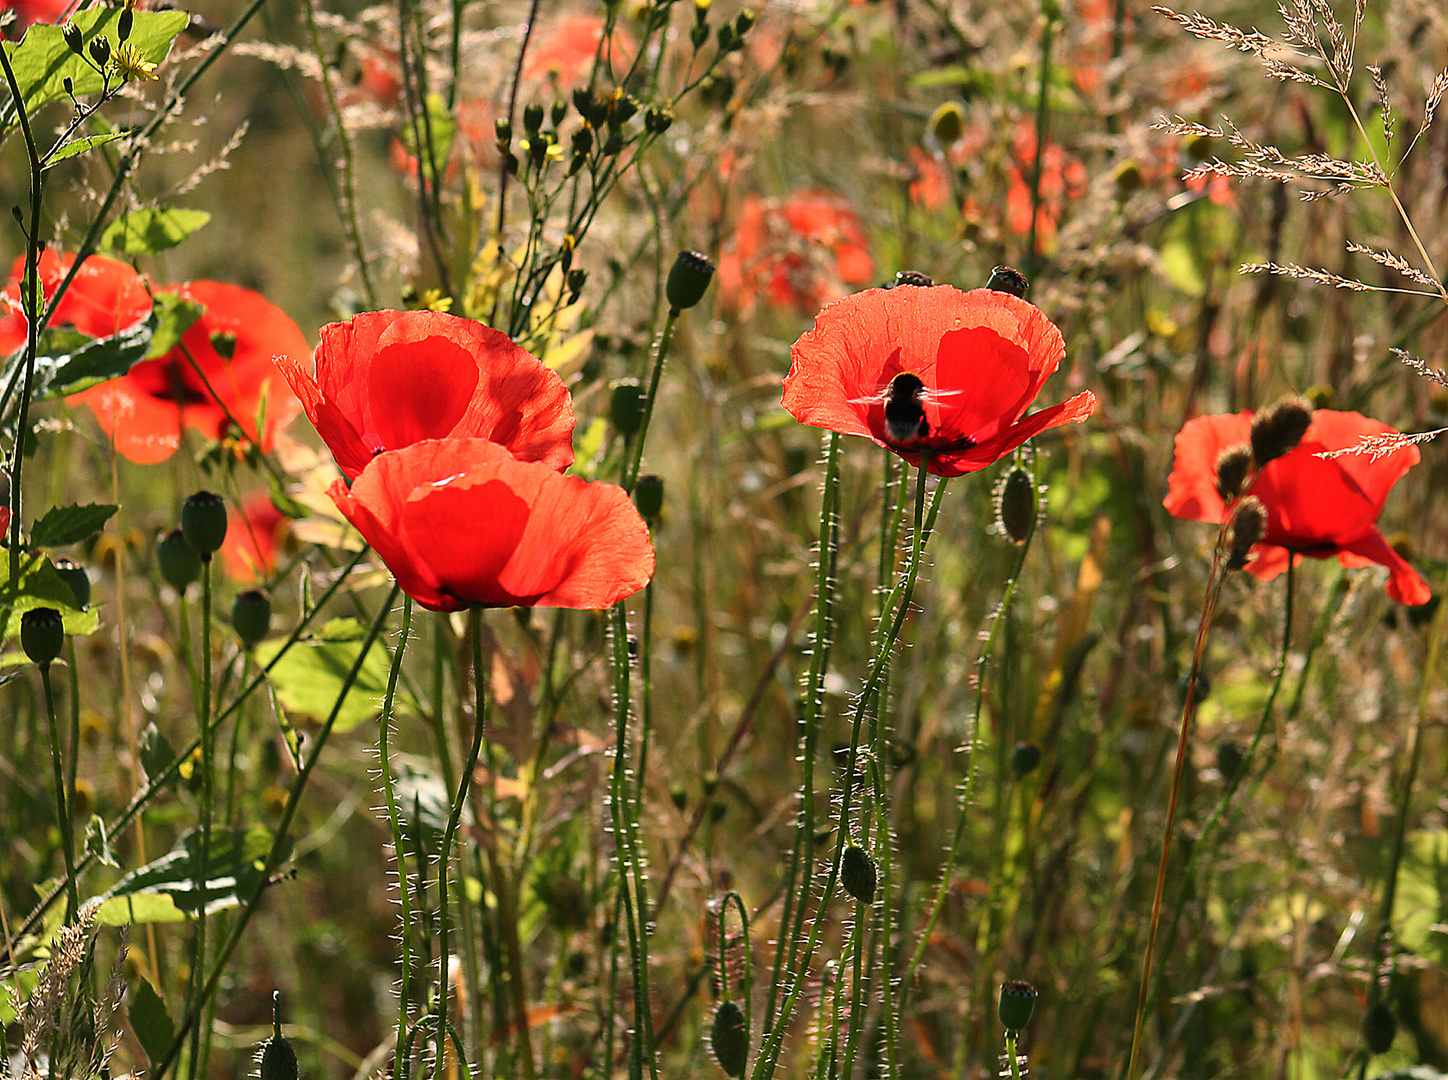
(64, 525)
(157, 753)
(80, 146)
(38, 585)
(173, 317)
(308, 679)
(78, 362)
(233, 872)
(149, 232)
(138, 909)
(42, 60)
(150, 1021)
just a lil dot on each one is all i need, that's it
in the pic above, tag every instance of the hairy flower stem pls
(636, 450)
(203, 855)
(394, 821)
(62, 803)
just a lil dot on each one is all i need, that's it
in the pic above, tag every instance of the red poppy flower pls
(249, 551)
(461, 522)
(29, 12)
(227, 381)
(566, 50)
(105, 297)
(1315, 506)
(937, 370)
(388, 379)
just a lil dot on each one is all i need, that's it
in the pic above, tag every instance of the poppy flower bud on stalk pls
(947, 123)
(1248, 524)
(689, 277)
(626, 406)
(1008, 279)
(178, 562)
(42, 635)
(203, 523)
(729, 1038)
(1025, 759)
(857, 874)
(1233, 465)
(1016, 505)
(251, 614)
(1279, 428)
(648, 496)
(1018, 1001)
(1380, 1028)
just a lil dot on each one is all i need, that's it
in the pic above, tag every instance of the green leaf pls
(308, 678)
(38, 585)
(233, 872)
(80, 146)
(148, 232)
(150, 1021)
(64, 525)
(439, 128)
(139, 909)
(98, 841)
(157, 753)
(42, 60)
(1179, 264)
(68, 362)
(173, 317)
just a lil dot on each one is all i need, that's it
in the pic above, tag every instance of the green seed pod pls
(177, 560)
(689, 277)
(857, 874)
(576, 280)
(1279, 428)
(42, 635)
(203, 523)
(730, 1038)
(74, 575)
(1380, 1028)
(1025, 759)
(1016, 505)
(1018, 1000)
(947, 123)
(251, 614)
(626, 406)
(649, 496)
(1233, 465)
(1230, 757)
(1007, 279)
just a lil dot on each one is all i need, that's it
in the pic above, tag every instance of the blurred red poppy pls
(29, 12)
(228, 380)
(249, 552)
(931, 370)
(565, 51)
(388, 379)
(461, 522)
(105, 297)
(1315, 506)
(1062, 178)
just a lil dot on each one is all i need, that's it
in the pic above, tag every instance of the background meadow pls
(350, 159)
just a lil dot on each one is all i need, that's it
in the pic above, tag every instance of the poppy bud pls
(626, 406)
(911, 277)
(947, 123)
(648, 496)
(1024, 759)
(1230, 756)
(42, 635)
(1380, 1028)
(1007, 279)
(1246, 529)
(532, 118)
(203, 523)
(1129, 178)
(1233, 464)
(688, 278)
(73, 38)
(251, 614)
(74, 575)
(1018, 1001)
(124, 23)
(1204, 687)
(100, 51)
(658, 119)
(559, 111)
(178, 562)
(224, 342)
(857, 874)
(1278, 428)
(729, 1038)
(278, 1059)
(1016, 505)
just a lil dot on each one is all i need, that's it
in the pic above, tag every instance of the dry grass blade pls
(1380, 446)
(1393, 262)
(1438, 375)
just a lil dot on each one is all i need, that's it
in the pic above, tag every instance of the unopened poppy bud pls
(278, 1059)
(1016, 505)
(177, 560)
(1233, 464)
(532, 118)
(1278, 428)
(689, 277)
(124, 24)
(1007, 279)
(1025, 759)
(203, 523)
(648, 496)
(74, 40)
(729, 1038)
(74, 575)
(251, 614)
(1248, 523)
(912, 277)
(1129, 178)
(100, 51)
(626, 406)
(1018, 1001)
(947, 123)
(42, 635)
(1204, 687)
(1380, 1028)
(1230, 757)
(558, 112)
(857, 874)
(658, 119)
(224, 342)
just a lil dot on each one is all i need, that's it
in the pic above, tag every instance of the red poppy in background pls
(249, 552)
(461, 522)
(565, 50)
(1062, 178)
(228, 380)
(932, 370)
(29, 12)
(388, 379)
(105, 297)
(1315, 506)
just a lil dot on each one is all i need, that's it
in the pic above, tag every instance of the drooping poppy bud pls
(1380, 1028)
(1233, 464)
(178, 562)
(203, 523)
(857, 874)
(1016, 505)
(1018, 1001)
(251, 614)
(1230, 757)
(1279, 428)
(729, 1038)
(42, 635)
(1248, 523)
(1008, 279)
(648, 496)
(688, 279)
(1025, 758)
(947, 123)
(626, 406)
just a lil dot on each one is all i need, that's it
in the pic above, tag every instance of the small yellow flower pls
(434, 300)
(129, 63)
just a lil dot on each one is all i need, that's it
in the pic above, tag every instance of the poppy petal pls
(1073, 411)
(1192, 486)
(1405, 585)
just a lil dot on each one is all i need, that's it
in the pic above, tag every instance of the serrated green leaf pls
(38, 585)
(150, 1021)
(63, 525)
(308, 678)
(42, 60)
(80, 146)
(68, 362)
(233, 871)
(151, 231)
(173, 317)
